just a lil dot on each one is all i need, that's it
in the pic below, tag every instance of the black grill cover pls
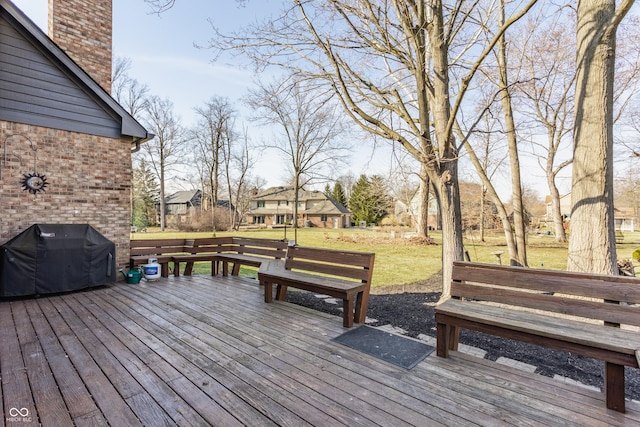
(48, 258)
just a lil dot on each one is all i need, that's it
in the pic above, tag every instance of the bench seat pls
(330, 286)
(589, 339)
(237, 260)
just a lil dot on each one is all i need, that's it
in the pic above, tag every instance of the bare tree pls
(347, 182)
(389, 63)
(130, 93)
(159, 6)
(310, 126)
(406, 172)
(214, 135)
(504, 92)
(546, 92)
(489, 162)
(545, 89)
(164, 150)
(592, 243)
(246, 192)
(134, 98)
(238, 166)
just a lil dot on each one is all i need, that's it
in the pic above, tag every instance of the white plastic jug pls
(152, 270)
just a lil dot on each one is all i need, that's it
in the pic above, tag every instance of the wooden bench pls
(595, 316)
(230, 250)
(161, 249)
(340, 274)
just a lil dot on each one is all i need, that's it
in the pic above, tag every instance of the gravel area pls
(410, 307)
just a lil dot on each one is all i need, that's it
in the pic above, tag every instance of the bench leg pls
(236, 269)
(614, 386)
(281, 293)
(188, 268)
(447, 339)
(268, 291)
(176, 268)
(214, 268)
(164, 269)
(225, 268)
(362, 304)
(347, 312)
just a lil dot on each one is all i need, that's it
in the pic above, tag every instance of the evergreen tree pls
(369, 200)
(338, 194)
(327, 190)
(358, 200)
(379, 199)
(145, 196)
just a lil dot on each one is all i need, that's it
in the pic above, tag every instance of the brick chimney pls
(82, 28)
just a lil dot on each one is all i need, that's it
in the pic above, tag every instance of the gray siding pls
(35, 89)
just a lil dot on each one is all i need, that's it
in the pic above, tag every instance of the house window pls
(258, 219)
(323, 218)
(261, 203)
(281, 219)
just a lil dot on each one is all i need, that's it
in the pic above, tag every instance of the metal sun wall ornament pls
(32, 182)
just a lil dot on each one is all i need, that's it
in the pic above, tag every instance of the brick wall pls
(83, 28)
(89, 182)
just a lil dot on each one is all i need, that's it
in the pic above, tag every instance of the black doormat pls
(392, 348)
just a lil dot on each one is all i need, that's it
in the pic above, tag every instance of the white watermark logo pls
(19, 415)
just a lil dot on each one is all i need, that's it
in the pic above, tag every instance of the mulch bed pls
(413, 311)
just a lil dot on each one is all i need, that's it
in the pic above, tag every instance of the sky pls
(163, 56)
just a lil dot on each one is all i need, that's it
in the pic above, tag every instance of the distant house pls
(182, 204)
(565, 207)
(624, 219)
(410, 214)
(274, 207)
(623, 216)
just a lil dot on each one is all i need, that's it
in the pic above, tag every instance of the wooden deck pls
(208, 351)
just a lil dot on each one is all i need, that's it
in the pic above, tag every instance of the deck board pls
(205, 350)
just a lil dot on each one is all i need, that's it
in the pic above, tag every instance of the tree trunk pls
(423, 219)
(556, 211)
(452, 247)
(446, 172)
(483, 200)
(162, 206)
(592, 240)
(519, 214)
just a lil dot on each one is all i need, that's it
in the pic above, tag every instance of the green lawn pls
(397, 260)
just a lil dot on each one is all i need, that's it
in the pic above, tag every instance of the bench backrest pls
(271, 248)
(160, 246)
(612, 299)
(211, 245)
(334, 262)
